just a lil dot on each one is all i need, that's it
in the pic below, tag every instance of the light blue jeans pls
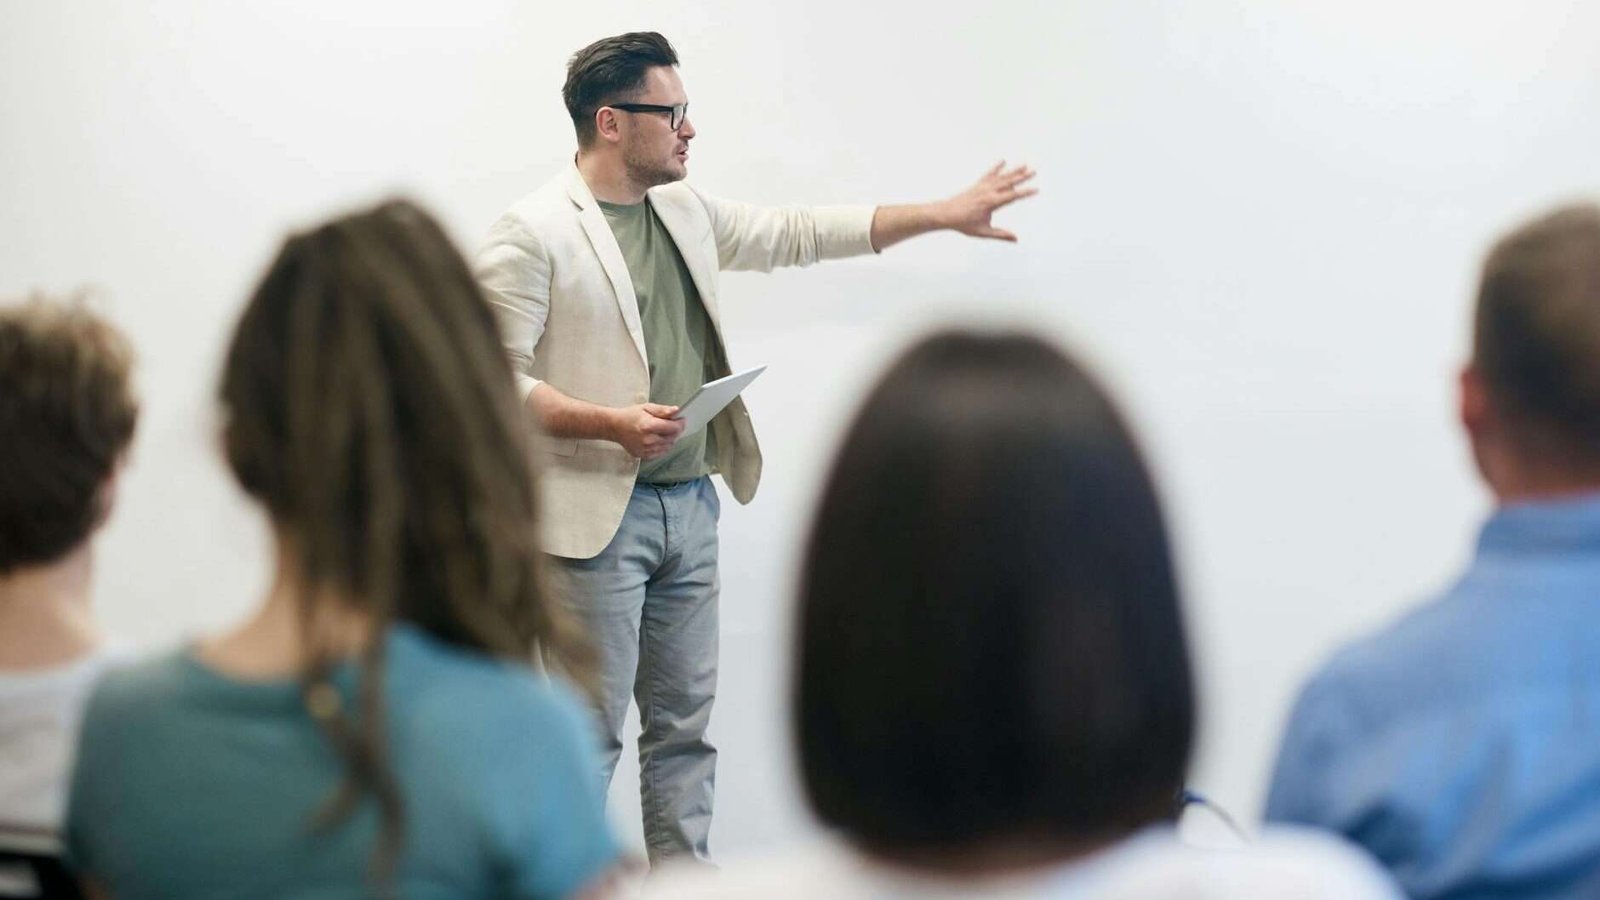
(649, 600)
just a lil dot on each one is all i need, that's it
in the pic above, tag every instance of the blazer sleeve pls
(763, 238)
(514, 269)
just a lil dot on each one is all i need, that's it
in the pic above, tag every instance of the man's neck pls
(608, 179)
(45, 619)
(1545, 493)
(1516, 478)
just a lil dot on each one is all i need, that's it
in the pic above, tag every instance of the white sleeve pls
(514, 270)
(763, 238)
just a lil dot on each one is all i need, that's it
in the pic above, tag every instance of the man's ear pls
(105, 499)
(1474, 407)
(607, 125)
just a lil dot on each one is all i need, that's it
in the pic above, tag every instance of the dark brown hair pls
(991, 646)
(371, 410)
(611, 70)
(67, 414)
(1537, 334)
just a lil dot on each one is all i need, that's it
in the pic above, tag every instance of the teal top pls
(190, 784)
(678, 336)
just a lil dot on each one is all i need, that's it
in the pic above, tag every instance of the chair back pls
(31, 866)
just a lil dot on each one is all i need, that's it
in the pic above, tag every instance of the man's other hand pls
(646, 430)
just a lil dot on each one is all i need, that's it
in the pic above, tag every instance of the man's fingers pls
(1019, 175)
(656, 448)
(1009, 197)
(999, 234)
(662, 427)
(660, 411)
(999, 174)
(1000, 177)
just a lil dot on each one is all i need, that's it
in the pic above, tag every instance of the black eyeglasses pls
(675, 114)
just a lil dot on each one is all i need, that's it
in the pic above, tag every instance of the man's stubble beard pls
(647, 172)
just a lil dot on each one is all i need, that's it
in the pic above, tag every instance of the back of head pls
(611, 70)
(67, 414)
(1536, 344)
(990, 638)
(370, 410)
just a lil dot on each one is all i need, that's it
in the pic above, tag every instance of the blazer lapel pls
(593, 219)
(688, 239)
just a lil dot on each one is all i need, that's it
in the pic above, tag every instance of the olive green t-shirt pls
(678, 337)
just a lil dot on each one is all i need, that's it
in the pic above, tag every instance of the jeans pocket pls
(713, 499)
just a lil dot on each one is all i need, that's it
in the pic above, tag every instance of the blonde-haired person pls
(373, 728)
(993, 695)
(67, 416)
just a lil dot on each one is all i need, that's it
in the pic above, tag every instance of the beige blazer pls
(568, 315)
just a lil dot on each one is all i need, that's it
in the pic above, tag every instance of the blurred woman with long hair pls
(373, 729)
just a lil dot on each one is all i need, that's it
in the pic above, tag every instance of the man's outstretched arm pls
(763, 238)
(968, 212)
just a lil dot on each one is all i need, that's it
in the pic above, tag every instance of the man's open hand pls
(969, 211)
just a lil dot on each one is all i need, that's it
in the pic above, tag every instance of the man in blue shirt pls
(1461, 746)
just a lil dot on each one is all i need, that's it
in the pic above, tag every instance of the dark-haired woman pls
(993, 694)
(372, 730)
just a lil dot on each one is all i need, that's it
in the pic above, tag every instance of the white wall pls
(1260, 219)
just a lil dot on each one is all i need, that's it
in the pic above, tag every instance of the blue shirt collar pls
(1569, 525)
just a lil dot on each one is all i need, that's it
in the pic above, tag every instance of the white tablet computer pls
(699, 410)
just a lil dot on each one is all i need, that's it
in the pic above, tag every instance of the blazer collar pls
(577, 188)
(593, 219)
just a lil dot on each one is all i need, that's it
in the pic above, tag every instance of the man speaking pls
(605, 282)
